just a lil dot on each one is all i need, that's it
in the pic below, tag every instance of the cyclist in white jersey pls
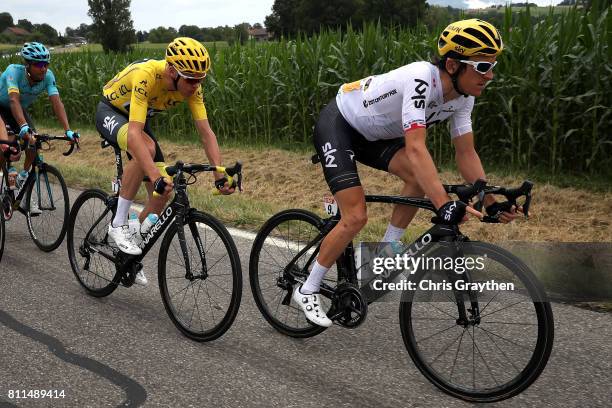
(381, 121)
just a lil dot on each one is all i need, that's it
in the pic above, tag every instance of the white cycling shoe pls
(311, 305)
(34, 210)
(123, 238)
(141, 278)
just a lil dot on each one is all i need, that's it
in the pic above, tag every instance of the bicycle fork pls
(193, 228)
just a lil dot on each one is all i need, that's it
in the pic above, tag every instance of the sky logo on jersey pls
(420, 89)
(384, 96)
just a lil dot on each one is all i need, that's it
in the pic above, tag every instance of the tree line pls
(308, 16)
(36, 32)
(113, 25)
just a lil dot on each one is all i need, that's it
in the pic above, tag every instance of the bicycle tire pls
(172, 277)
(289, 245)
(526, 375)
(45, 229)
(103, 280)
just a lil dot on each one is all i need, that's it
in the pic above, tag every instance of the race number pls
(329, 205)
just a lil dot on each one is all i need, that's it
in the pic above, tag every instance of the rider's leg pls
(30, 154)
(132, 177)
(29, 159)
(402, 214)
(354, 217)
(155, 203)
(4, 136)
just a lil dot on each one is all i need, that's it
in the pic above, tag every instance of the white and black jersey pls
(384, 106)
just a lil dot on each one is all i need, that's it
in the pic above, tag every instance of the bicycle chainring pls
(349, 307)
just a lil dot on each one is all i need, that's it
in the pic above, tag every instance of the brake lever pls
(71, 149)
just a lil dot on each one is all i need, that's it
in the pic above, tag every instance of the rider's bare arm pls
(16, 108)
(468, 161)
(209, 141)
(60, 112)
(423, 166)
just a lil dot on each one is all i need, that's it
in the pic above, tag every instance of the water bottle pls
(362, 260)
(148, 222)
(21, 178)
(12, 178)
(133, 223)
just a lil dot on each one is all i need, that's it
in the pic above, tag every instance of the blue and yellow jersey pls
(15, 80)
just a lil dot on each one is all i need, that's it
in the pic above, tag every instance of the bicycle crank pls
(349, 307)
(7, 207)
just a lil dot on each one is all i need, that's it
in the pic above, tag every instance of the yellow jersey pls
(138, 90)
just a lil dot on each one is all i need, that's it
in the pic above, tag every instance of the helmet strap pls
(455, 81)
(27, 70)
(175, 80)
(455, 76)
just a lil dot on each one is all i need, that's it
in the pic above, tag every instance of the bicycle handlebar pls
(233, 173)
(46, 138)
(466, 192)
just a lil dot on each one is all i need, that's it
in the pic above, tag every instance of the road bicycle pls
(480, 347)
(45, 187)
(199, 272)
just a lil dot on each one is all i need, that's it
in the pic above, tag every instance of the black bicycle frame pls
(346, 265)
(178, 207)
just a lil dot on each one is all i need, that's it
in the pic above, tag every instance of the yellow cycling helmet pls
(189, 57)
(466, 38)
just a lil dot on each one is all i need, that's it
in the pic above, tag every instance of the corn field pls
(549, 106)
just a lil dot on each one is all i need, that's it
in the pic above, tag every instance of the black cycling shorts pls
(339, 145)
(9, 120)
(112, 125)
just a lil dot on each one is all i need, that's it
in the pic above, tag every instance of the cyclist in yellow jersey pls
(131, 98)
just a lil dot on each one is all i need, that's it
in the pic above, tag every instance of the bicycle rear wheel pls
(280, 240)
(201, 283)
(48, 191)
(88, 240)
(497, 355)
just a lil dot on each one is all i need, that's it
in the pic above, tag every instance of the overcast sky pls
(148, 14)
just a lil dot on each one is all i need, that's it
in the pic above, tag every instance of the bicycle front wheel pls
(47, 208)
(201, 281)
(88, 243)
(501, 349)
(279, 241)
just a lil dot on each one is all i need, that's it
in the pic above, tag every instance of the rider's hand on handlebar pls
(72, 135)
(163, 186)
(505, 212)
(24, 131)
(223, 186)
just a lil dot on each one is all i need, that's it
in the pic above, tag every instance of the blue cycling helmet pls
(35, 51)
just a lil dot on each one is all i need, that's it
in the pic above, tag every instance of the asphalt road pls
(123, 350)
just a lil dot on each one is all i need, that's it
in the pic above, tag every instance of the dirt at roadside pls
(289, 180)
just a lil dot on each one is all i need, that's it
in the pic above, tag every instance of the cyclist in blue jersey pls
(20, 85)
